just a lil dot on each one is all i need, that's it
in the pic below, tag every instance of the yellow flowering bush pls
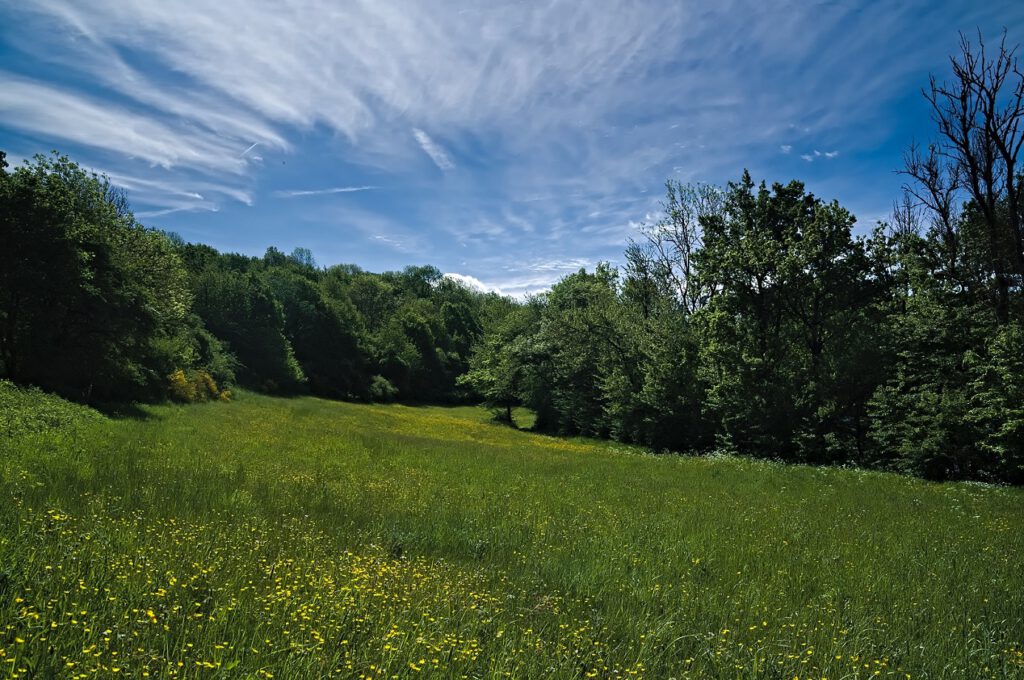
(196, 386)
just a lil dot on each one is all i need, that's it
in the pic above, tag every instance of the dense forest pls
(751, 318)
(97, 307)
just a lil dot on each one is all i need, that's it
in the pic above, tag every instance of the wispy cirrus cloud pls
(60, 114)
(150, 214)
(433, 149)
(150, 189)
(554, 124)
(294, 193)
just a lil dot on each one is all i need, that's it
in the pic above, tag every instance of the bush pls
(195, 386)
(382, 391)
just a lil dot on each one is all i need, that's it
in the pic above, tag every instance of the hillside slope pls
(305, 538)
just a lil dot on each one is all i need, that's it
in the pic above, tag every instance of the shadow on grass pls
(124, 411)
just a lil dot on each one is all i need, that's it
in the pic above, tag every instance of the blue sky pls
(510, 142)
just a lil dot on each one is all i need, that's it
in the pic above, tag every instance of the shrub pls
(381, 390)
(180, 387)
(195, 386)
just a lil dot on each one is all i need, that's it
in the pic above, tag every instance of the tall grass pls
(305, 538)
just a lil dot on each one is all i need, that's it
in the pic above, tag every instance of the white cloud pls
(433, 149)
(559, 266)
(388, 240)
(60, 114)
(293, 193)
(149, 214)
(786, 148)
(472, 283)
(809, 157)
(522, 286)
(173, 194)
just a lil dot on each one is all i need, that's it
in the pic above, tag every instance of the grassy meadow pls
(303, 538)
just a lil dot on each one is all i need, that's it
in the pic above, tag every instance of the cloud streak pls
(433, 149)
(150, 214)
(60, 114)
(295, 193)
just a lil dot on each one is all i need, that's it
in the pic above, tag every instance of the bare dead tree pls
(675, 239)
(979, 116)
(1001, 89)
(906, 216)
(934, 187)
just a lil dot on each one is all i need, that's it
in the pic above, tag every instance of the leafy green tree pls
(88, 296)
(673, 394)
(324, 340)
(919, 414)
(997, 404)
(241, 310)
(790, 313)
(945, 410)
(499, 365)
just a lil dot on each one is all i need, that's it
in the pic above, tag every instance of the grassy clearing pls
(305, 538)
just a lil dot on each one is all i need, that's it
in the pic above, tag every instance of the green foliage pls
(322, 334)
(92, 304)
(948, 407)
(382, 391)
(84, 290)
(920, 411)
(240, 309)
(672, 396)
(580, 334)
(293, 326)
(786, 335)
(25, 410)
(753, 321)
(997, 406)
(498, 368)
(749, 320)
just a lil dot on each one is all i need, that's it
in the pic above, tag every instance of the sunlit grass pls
(304, 538)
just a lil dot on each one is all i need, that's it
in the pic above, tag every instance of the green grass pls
(304, 538)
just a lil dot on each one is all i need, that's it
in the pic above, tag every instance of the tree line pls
(750, 318)
(97, 307)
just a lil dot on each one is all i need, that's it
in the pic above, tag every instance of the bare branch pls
(979, 115)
